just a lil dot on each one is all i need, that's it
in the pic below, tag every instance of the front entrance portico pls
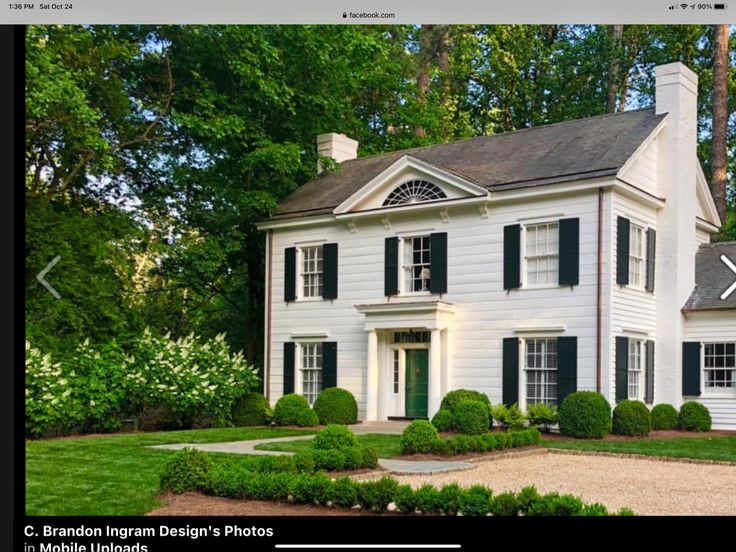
(408, 358)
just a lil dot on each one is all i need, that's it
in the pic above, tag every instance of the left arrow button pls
(43, 273)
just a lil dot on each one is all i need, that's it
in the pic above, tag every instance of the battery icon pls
(719, 6)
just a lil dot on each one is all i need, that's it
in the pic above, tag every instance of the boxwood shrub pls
(187, 470)
(334, 436)
(288, 409)
(453, 399)
(443, 420)
(471, 417)
(631, 418)
(664, 416)
(694, 417)
(336, 406)
(307, 418)
(418, 436)
(252, 409)
(585, 414)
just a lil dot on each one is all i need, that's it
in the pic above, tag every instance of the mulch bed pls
(195, 504)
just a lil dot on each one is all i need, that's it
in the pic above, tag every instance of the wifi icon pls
(683, 6)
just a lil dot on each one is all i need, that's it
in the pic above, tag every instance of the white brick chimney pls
(337, 146)
(676, 95)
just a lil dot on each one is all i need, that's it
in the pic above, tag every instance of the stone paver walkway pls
(424, 467)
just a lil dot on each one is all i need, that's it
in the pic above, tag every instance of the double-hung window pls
(540, 365)
(636, 256)
(636, 369)
(311, 370)
(719, 365)
(541, 253)
(311, 271)
(417, 252)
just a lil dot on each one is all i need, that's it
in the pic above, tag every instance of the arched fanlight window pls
(414, 191)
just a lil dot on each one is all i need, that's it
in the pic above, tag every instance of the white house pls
(525, 265)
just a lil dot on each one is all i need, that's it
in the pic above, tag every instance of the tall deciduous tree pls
(719, 158)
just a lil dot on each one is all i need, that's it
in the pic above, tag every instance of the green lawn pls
(386, 445)
(705, 448)
(112, 475)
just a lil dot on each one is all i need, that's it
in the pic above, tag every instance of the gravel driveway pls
(649, 487)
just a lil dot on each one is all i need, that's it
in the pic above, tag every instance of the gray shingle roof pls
(712, 278)
(573, 150)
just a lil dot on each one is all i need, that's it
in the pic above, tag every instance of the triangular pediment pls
(403, 175)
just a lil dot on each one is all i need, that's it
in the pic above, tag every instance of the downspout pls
(599, 313)
(269, 278)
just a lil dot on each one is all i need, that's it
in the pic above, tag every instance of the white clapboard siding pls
(633, 311)
(485, 312)
(642, 172)
(701, 237)
(714, 326)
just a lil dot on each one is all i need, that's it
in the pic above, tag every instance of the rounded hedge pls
(585, 414)
(471, 417)
(336, 406)
(664, 416)
(307, 418)
(443, 420)
(252, 409)
(334, 437)
(631, 418)
(453, 399)
(694, 417)
(418, 436)
(288, 408)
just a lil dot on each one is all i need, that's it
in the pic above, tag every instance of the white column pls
(435, 372)
(446, 362)
(371, 393)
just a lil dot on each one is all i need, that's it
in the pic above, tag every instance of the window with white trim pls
(540, 366)
(396, 371)
(414, 191)
(719, 365)
(636, 256)
(541, 253)
(311, 271)
(636, 369)
(416, 264)
(311, 371)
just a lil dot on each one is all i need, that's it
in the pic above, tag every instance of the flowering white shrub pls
(190, 376)
(49, 401)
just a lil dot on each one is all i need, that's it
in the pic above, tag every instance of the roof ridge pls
(505, 133)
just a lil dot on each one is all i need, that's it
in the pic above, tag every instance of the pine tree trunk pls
(720, 117)
(425, 57)
(617, 35)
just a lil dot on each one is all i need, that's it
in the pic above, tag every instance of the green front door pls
(417, 383)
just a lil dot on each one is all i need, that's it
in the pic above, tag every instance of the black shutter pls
(569, 258)
(289, 347)
(438, 262)
(512, 256)
(622, 368)
(510, 370)
(691, 368)
(290, 274)
(622, 251)
(651, 256)
(329, 364)
(567, 366)
(391, 267)
(329, 271)
(649, 374)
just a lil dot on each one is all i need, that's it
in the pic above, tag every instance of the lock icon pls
(344, 15)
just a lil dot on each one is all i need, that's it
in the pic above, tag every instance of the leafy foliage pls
(453, 399)
(188, 470)
(252, 409)
(443, 420)
(336, 406)
(471, 417)
(418, 436)
(585, 414)
(540, 414)
(334, 437)
(694, 417)
(509, 417)
(631, 418)
(307, 418)
(664, 416)
(289, 408)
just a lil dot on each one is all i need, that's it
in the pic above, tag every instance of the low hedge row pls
(421, 437)
(233, 481)
(348, 458)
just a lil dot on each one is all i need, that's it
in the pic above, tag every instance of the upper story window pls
(312, 272)
(414, 191)
(636, 256)
(417, 252)
(541, 253)
(720, 367)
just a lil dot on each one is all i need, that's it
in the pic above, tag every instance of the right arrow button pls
(732, 287)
